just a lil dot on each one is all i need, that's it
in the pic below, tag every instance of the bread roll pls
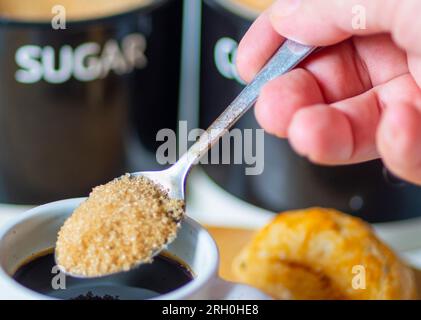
(323, 254)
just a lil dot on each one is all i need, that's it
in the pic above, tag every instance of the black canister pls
(288, 181)
(66, 96)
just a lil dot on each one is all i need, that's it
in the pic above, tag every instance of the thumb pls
(325, 22)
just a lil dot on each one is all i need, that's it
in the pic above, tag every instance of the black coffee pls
(164, 275)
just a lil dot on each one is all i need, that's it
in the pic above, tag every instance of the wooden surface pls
(230, 242)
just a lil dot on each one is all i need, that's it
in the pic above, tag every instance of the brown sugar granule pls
(121, 224)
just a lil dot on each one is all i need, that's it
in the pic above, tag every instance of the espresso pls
(163, 275)
(41, 10)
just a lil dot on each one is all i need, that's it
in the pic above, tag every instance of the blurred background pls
(82, 105)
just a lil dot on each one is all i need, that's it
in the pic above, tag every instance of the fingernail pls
(284, 8)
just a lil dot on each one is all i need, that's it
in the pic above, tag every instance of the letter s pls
(26, 58)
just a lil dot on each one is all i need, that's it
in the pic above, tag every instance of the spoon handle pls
(288, 56)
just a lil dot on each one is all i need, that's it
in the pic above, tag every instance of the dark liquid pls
(165, 274)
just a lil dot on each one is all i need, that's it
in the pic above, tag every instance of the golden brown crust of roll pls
(323, 254)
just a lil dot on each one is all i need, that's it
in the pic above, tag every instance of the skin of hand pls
(356, 100)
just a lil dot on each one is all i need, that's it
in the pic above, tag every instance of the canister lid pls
(74, 10)
(248, 9)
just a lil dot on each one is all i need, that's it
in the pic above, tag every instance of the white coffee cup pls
(36, 230)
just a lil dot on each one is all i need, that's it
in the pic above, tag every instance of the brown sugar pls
(121, 224)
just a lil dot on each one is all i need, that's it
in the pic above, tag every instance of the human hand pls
(358, 99)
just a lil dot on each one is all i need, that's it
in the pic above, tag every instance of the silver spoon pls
(288, 56)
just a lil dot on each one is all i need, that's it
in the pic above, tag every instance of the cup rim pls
(189, 289)
(4, 21)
